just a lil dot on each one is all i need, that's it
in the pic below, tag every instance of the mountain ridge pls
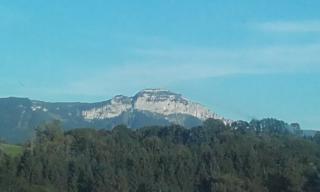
(19, 116)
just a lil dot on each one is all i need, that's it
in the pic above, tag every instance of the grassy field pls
(12, 150)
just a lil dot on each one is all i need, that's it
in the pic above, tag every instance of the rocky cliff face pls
(113, 108)
(157, 101)
(167, 103)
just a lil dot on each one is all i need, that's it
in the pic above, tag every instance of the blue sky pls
(242, 59)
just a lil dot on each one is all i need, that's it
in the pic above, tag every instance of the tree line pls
(262, 155)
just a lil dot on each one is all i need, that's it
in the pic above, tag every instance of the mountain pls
(19, 116)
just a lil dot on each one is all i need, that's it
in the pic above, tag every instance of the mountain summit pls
(148, 107)
(156, 101)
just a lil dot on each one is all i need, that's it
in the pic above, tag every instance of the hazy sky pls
(242, 59)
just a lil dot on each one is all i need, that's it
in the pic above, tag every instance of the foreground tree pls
(245, 156)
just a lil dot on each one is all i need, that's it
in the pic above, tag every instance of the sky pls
(242, 59)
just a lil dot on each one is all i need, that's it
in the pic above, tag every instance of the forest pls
(259, 156)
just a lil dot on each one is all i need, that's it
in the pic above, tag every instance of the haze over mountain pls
(19, 116)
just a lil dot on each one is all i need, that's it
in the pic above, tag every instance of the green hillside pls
(11, 150)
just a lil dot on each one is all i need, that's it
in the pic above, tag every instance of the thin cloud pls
(163, 67)
(166, 66)
(215, 62)
(290, 26)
